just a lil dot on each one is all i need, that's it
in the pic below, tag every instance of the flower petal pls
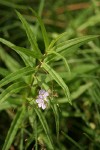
(43, 106)
(40, 105)
(41, 92)
(40, 97)
(39, 100)
(46, 94)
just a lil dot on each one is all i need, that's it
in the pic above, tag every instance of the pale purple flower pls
(43, 93)
(39, 100)
(42, 105)
(42, 99)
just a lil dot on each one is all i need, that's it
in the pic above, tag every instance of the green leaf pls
(21, 146)
(30, 36)
(61, 57)
(16, 75)
(15, 125)
(9, 61)
(81, 90)
(55, 40)
(45, 126)
(13, 5)
(4, 72)
(29, 142)
(6, 106)
(19, 49)
(58, 79)
(92, 21)
(56, 114)
(74, 42)
(11, 103)
(16, 87)
(44, 33)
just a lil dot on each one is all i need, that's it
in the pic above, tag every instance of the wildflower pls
(42, 99)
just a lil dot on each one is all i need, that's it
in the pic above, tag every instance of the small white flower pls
(42, 99)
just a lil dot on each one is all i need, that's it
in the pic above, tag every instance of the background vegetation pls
(60, 126)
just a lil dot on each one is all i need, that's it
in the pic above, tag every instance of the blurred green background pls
(81, 121)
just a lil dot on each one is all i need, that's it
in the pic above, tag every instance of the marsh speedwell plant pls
(33, 88)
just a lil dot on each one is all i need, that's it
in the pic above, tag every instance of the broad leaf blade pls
(30, 36)
(58, 79)
(14, 128)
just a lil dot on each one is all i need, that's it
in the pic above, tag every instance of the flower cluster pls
(42, 99)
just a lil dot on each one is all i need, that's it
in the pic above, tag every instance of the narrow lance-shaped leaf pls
(4, 72)
(81, 90)
(19, 49)
(11, 102)
(69, 46)
(15, 125)
(45, 126)
(30, 36)
(16, 87)
(58, 79)
(73, 42)
(9, 61)
(55, 40)
(16, 75)
(6, 105)
(61, 57)
(93, 20)
(44, 33)
(13, 5)
(56, 114)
